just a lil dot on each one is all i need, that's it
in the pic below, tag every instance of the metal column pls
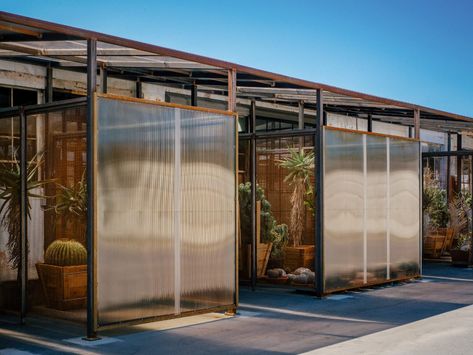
(417, 123)
(104, 79)
(319, 208)
(49, 84)
(301, 115)
(91, 252)
(194, 95)
(24, 217)
(370, 123)
(139, 89)
(253, 193)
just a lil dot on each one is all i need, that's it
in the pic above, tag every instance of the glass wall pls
(56, 164)
(285, 227)
(165, 210)
(371, 209)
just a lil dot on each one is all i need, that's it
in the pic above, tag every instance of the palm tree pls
(301, 167)
(10, 193)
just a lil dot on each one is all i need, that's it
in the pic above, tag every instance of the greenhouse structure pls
(141, 183)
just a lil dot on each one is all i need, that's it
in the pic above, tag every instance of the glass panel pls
(285, 227)
(207, 257)
(343, 210)
(9, 255)
(61, 156)
(404, 208)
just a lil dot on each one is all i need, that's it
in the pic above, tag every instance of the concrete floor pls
(274, 321)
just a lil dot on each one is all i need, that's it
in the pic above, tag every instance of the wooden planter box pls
(301, 256)
(460, 257)
(65, 287)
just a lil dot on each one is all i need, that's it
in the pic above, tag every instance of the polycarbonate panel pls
(371, 209)
(404, 221)
(376, 208)
(165, 210)
(135, 211)
(208, 210)
(343, 209)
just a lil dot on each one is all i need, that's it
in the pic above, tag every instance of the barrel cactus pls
(65, 252)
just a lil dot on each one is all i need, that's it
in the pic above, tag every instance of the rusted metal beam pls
(77, 32)
(21, 30)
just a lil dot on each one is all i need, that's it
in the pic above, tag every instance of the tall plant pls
(10, 193)
(300, 166)
(434, 201)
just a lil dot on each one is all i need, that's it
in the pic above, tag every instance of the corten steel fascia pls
(86, 34)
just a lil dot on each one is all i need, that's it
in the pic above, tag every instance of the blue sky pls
(419, 51)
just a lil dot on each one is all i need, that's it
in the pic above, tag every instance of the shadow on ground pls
(271, 321)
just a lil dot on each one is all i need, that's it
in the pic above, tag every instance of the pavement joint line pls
(447, 278)
(307, 314)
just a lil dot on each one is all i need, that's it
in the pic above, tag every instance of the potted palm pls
(64, 271)
(300, 167)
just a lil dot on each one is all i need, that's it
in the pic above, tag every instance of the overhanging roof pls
(33, 40)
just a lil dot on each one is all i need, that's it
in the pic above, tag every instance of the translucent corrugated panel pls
(208, 210)
(343, 209)
(404, 208)
(135, 211)
(371, 209)
(376, 208)
(166, 210)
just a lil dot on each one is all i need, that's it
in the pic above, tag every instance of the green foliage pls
(434, 201)
(72, 201)
(10, 193)
(300, 167)
(271, 232)
(65, 252)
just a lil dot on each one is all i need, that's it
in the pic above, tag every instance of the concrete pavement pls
(281, 321)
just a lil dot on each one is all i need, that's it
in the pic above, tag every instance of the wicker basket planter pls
(65, 287)
(300, 256)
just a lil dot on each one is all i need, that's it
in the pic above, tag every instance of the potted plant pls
(300, 167)
(63, 274)
(64, 271)
(272, 237)
(10, 192)
(460, 221)
(436, 215)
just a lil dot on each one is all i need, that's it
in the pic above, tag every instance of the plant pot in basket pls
(63, 275)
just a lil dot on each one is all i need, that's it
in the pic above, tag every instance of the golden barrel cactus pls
(65, 252)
